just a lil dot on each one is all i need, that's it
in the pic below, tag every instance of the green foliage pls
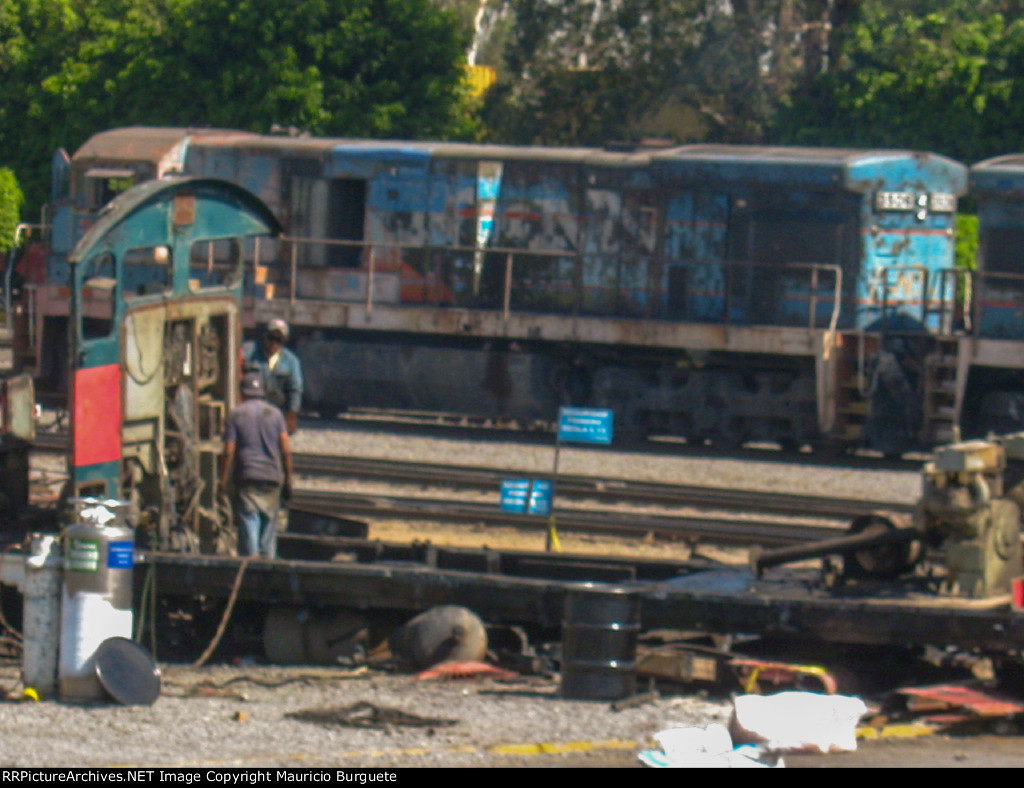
(946, 77)
(941, 75)
(11, 200)
(70, 68)
(36, 37)
(587, 71)
(966, 241)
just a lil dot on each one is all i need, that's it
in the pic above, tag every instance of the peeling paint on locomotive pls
(597, 277)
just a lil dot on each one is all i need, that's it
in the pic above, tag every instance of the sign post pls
(526, 496)
(576, 425)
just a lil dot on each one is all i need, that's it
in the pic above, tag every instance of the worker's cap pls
(277, 326)
(252, 385)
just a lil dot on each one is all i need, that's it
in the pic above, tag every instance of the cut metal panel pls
(975, 699)
(97, 415)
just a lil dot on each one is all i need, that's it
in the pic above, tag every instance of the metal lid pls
(127, 671)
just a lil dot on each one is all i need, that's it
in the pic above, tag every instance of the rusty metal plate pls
(982, 703)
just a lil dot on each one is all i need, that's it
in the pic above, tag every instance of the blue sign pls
(119, 555)
(585, 425)
(526, 496)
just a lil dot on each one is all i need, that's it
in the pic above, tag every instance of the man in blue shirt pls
(257, 449)
(279, 368)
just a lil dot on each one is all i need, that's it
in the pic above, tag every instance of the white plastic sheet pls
(701, 748)
(797, 721)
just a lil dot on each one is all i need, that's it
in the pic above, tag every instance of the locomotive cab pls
(154, 339)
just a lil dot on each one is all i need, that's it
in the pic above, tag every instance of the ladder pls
(940, 393)
(851, 384)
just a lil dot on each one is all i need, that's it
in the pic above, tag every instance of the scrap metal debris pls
(950, 704)
(443, 633)
(364, 714)
(681, 662)
(753, 673)
(466, 669)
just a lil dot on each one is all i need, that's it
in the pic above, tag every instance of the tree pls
(69, 68)
(588, 71)
(910, 75)
(11, 199)
(36, 37)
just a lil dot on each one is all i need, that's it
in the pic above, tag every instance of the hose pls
(227, 614)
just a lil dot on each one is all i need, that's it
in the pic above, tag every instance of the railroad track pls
(754, 528)
(603, 489)
(707, 529)
(569, 486)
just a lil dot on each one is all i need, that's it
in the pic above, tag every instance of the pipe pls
(762, 559)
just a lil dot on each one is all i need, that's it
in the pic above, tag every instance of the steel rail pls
(591, 487)
(716, 530)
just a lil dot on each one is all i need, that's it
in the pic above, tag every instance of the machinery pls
(963, 538)
(965, 511)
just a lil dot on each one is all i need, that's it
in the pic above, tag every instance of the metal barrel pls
(96, 600)
(600, 628)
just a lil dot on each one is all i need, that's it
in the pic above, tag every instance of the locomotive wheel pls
(881, 561)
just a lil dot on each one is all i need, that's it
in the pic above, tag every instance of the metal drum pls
(600, 628)
(96, 601)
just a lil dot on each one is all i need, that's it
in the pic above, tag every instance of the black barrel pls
(600, 628)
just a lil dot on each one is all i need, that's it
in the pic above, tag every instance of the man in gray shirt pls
(257, 447)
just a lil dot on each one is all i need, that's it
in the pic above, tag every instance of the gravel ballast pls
(239, 715)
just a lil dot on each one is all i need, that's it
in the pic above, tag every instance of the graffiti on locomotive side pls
(615, 264)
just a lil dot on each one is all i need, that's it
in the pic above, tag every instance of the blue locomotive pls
(719, 293)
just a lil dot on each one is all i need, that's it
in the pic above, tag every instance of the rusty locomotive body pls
(720, 293)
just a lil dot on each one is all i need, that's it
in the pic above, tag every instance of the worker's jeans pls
(256, 506)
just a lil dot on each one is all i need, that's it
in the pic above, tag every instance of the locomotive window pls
(215, 264)
(771, 239)
(333, 209)
(147, 271)
(103, 185)
(98, 292)
(1002, 249)
(345, 221)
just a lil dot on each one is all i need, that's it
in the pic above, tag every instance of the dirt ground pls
(499, 538)
(927, 752)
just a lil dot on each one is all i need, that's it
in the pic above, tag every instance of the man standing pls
(279, 368)
(257, 446)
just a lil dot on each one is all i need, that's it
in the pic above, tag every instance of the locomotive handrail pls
(370, 255)
(370, 249)
(958, 305)
(947, 301)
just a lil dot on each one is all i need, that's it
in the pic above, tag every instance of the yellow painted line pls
(527, 748)
(549, 748)
(908, 730)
